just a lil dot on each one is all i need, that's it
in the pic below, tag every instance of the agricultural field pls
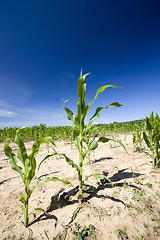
(128, 207)
(81, 182)
(65, 132)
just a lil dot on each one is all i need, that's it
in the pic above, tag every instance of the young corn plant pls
(137, 140)
(81, 129)
(27, 172)
(152, 137)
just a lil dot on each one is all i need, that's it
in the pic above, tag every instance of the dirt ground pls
(129, 211)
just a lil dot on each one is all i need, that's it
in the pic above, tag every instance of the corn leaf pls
(13, 160)
(22, 154)
(99, 109)
(35, 150)
(47, 179)
(93, 146)
(77, 141)
(98, 176)
(145, 137)
(104, 140)
(23, 198)
(48, 156)
(145, 153)
(81, 107)
(101, 89)
(69, 113)
(39, 209)
(69, 161)
(74, 215)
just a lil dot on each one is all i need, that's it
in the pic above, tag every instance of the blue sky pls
(44, 45)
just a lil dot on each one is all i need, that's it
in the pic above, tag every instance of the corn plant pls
(152, 137)
(28, 171)
(81, 129)
(137, 140)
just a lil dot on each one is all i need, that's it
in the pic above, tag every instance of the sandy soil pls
(129, 211)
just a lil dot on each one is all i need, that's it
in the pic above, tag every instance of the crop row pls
(65, 132)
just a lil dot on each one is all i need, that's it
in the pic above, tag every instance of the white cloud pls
(4, 113)
(22, 116)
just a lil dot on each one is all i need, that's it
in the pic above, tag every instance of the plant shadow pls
(61, 199)
(42, 217)
(3, 167)
(7, 180)
(4, 159)
(102, 159)
(44, 175)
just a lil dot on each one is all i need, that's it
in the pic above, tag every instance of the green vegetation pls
(121, 234)
(28, 172)
(82, 233)
(65, 132)
(137, 139)
(152, 137)
(89, 140)
(80, 134)
(86, 137)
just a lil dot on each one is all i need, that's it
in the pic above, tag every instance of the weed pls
(137, 181)
(149, 185)
(121, 234)
(125, 184)
(140, 238)
(82, 233)
(137, 195)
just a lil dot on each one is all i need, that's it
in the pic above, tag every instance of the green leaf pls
(39, 209)
(47, 179)
(48, 156)
(145, 153)
(74, 215)
(76, 141)
(104, 140)
(50, 140)
(69, 113)
(145, 137)
(69, 161)
(13, 160)
(35, 150)
(81, 107)
(99, 109)
(93, 146)
(98, 176)
(22, 154)
(149, 185)
(79, 236)
(101, 89)
(23, 198)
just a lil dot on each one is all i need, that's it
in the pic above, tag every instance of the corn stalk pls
(81, 130)
(152, 138)
(28, 171)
